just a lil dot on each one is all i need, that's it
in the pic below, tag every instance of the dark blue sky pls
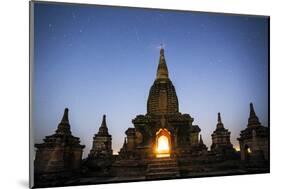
(102, 60)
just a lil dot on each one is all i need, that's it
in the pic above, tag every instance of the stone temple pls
(162, 144)
(221, 140)
(163, 131)
(254, 139)
(59, 156)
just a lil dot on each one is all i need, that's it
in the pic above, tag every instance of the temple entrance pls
(163, 143)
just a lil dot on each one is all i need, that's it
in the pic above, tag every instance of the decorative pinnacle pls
(65, 116)
(103, 130)
(219, 124)
(103, 124)
(219, 117)
(64, 126)
(161, 50)
(162, 70)
(253, 119)
(252, 111)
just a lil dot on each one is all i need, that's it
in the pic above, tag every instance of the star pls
(73, 16)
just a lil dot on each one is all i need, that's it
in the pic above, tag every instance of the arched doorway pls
(163, 143)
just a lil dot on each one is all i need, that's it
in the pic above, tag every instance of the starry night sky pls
(99, 60)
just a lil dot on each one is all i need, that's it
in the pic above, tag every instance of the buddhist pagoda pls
(60, 154)
(221, 139)
(254, 139)
(100, 156)
(163, 132)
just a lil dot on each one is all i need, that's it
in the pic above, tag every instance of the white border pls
(14, 83)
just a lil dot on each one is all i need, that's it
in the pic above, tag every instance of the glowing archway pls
(163, 143)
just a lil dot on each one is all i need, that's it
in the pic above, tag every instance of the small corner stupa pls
(254, 139)
(221, 143)
(59, 153)
(102, 142)
(100, 156)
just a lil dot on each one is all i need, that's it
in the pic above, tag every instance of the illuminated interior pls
(163, 144)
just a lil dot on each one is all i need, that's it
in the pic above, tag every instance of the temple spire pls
(252, 111)
(162, 70)
(103, 128)
(253, 118)
(103, 124)
(219, 124)
(64, 126)
(219, 117)
(65, 116)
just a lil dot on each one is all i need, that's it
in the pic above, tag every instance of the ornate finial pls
(64, 126)
(219, 117)
(252, 111)
(103, 123)
(219, 124)
(104, 119)
(65, 116)
(253, 119)
(103, 128)
(162, 70)
(161, 49)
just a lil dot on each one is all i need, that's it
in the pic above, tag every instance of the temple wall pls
(260, 144)
(101, 143)
(194, 138)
